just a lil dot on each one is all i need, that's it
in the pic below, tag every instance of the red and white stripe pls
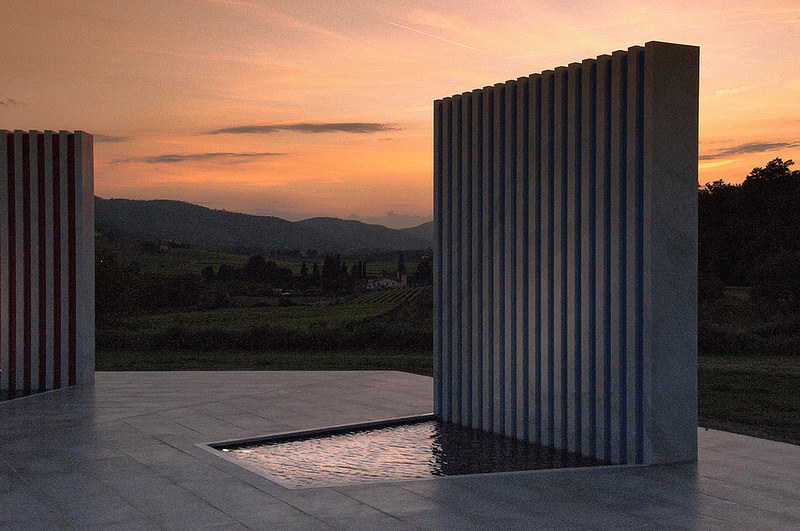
(47, 259)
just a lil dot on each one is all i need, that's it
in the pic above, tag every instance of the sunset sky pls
(303, 108)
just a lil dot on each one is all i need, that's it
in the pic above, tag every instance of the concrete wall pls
(46, 260)
(566, 256)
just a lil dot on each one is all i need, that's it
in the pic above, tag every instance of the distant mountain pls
(220, 229)
(354, 235)
(423, 232)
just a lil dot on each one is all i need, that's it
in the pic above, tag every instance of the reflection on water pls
(408, 451)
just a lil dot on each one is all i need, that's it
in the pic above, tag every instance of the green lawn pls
(299, 318)
(174, 262)
(749, 366)
(736, 325)
(754, 395)
(419, 362)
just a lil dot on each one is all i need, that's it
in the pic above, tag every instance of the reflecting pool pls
(420, 449)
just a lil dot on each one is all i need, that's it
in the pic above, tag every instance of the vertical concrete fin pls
(619, 76)
(456, 335)
(487, 250)
(546, 249)
(84, 264)
(560, 258)
(32, 261)
(438, 210)
(465, 378)
(522, 355)
(477, 262)
(43, 246)
(509, 352)
(21, 317)
(62, 257)
(6, 154)
(498, 255)
(574, 232)
(534, 268)
(671, 78)
(49, 258)
(633, 246)
(602, 274)
(447, 256)
(587, 263)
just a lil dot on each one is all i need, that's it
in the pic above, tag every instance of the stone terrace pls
(122, 454)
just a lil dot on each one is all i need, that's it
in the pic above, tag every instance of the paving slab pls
(123, 454)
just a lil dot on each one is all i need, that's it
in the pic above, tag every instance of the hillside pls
(354, 235)
(223, 230)
(423, 232)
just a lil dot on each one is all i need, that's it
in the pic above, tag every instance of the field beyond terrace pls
(749, 367)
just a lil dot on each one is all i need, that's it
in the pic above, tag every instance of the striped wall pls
(566, 256)
(47, 259)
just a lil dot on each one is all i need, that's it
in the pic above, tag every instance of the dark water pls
(417, 450)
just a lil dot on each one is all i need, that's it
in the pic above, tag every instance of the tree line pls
(749, 235)
(124, 287)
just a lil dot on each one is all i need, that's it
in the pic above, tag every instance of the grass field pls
(400, 320)
(749, 367)
(754, 395)
(321, 313)
(174, 261)
(737, 325)
(419, 362)
(299, 318)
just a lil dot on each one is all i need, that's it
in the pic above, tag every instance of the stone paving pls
(123, 454)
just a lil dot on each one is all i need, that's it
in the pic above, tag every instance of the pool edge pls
(213, 449)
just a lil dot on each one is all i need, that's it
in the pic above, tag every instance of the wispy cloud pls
(271, 14)
(110, 138)
(715, 164)
(174, 158)
(9, 102)
(751, 147)
(435, 36)
(345, 127)
(737, 90)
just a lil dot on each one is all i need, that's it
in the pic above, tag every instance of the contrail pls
(435, 36)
